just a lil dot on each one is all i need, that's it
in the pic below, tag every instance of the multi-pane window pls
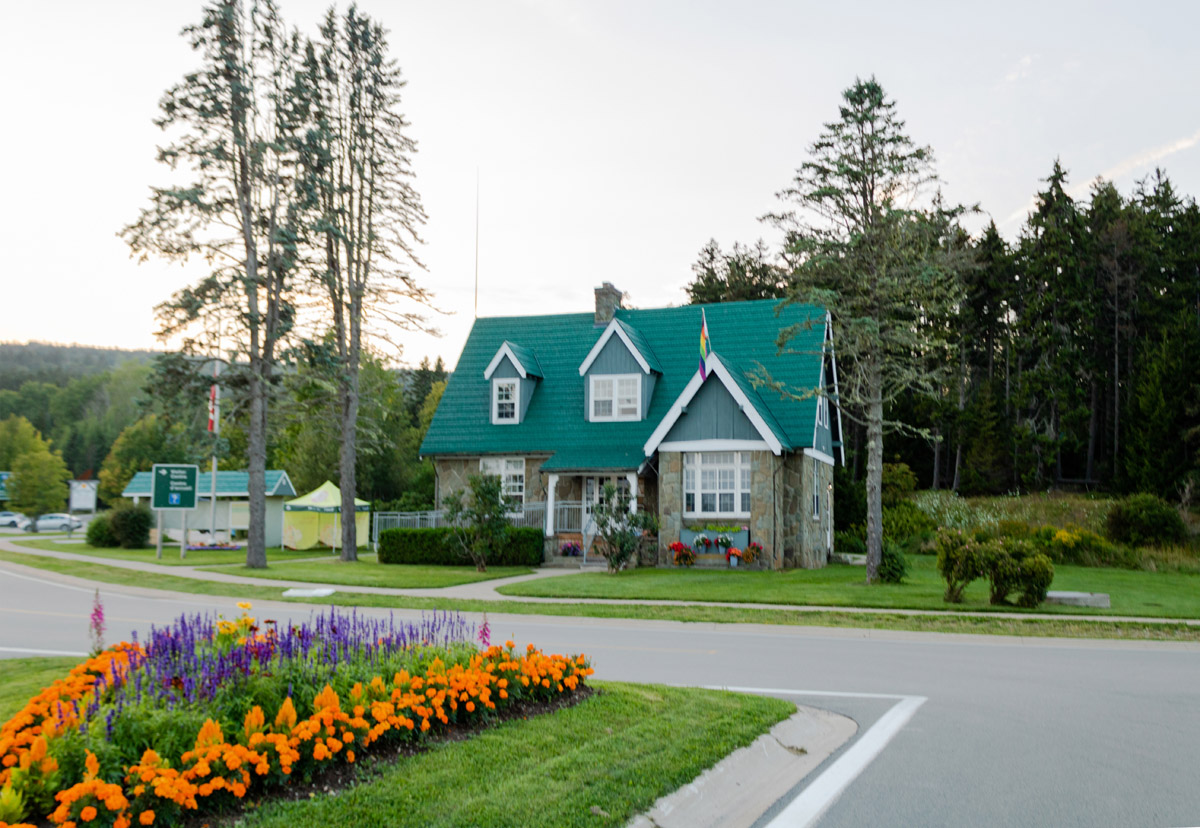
(616, 397)
(510, 470)
(504, 401)
(816, 491)
(716, 483)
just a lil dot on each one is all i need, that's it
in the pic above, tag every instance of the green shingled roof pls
(743, 333)
(527, 359)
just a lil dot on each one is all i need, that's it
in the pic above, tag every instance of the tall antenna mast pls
(476, 242)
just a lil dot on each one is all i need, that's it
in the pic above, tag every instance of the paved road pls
(1014, 732)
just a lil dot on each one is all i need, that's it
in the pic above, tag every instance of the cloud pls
(1021, 69)
(1136, 161)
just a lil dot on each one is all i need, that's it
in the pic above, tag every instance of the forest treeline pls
(111, 413)
(1078, 348)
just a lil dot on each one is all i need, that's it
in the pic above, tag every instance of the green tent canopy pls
(314, 519)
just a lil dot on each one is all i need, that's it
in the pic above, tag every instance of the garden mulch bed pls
(332, 780)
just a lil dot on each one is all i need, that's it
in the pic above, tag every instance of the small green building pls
(560, 405)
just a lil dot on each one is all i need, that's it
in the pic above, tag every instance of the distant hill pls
(58, 364)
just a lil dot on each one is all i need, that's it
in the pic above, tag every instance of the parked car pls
(15, 519)
(58, 521)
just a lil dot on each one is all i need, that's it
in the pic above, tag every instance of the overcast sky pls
(611, 139)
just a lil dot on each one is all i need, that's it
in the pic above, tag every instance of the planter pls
(739, 539)
(733, 562)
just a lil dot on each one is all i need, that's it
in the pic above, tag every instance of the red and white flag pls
(214, 405)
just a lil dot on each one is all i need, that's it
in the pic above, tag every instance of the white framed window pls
(615, 397)
(716, 483)
(593, 488)
(505, 400)
(822, 411)
(816, 490)
(510, 470)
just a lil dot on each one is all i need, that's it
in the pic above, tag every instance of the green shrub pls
(131, 526)
(523, 547)
(892, 566)
(1002, 559)
(1080, 547)
(904, 520)
(1037, 573)
(898, 483)
(1014, 529)
(100, 533)
(1145, 520)
(850, 495)
(958, 561)
(849, 543)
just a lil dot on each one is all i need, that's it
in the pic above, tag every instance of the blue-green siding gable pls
(506, 370)
(614, 358)
(713, 414)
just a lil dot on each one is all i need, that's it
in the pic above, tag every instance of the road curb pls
(743, 786)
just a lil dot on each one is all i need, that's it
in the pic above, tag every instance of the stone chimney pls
(608, 299)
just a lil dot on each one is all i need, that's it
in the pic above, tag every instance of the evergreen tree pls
(742, 274)
(887, 272)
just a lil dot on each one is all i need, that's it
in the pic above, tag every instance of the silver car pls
(58, 521)
(13, 519)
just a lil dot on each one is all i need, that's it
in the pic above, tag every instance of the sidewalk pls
(486, 591)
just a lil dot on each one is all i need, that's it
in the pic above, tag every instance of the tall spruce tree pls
(232, 138)
(864, 242)
(362, 208)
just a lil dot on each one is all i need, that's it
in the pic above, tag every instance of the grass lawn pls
(170, 553)
(1151, 594)
(24, 677)
(368, 572)
(997, 624)
(617, 752)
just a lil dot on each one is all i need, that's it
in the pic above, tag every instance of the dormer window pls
(616, 397)
(504, 401)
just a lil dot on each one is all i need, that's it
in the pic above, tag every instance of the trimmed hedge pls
(131, 526)
(100, 533)
(435, 547)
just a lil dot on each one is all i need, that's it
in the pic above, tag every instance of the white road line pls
(59, 584)
(39, 652)
(823, 791)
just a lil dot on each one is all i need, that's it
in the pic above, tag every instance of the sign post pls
(173, 488)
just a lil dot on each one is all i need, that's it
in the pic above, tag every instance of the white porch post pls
(550, 489)
(633, 492)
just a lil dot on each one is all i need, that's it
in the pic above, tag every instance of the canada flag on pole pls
(705, 347)
(214, 405)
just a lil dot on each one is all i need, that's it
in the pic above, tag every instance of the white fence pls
(531, 514)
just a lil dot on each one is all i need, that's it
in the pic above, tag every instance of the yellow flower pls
(244, 605)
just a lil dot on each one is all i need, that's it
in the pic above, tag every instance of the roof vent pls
(608, 299)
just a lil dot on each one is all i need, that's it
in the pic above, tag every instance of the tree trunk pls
(874, 477)
(256, 455)
(937, 460)
(1117, 387)
(348, 456)
(1091, 449)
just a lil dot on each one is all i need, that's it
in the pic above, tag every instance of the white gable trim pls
(717, 368)
(713, 445)
(613, 326)
(820, 455)
(836, 396)
(505, 351)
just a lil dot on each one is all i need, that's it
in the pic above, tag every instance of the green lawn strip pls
(23, 678)
(1010, 624)
(170, 556)
(616, 752)
(366, 572)
(1150, 594)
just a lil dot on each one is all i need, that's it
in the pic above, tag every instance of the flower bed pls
(211, 710)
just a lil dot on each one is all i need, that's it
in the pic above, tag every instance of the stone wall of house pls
(804, 538)
(452, 474)
(670, 503)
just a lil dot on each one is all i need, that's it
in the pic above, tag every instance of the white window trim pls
(737, 491)
(616, 378)
(516, 400)
(816, 492)
(503, 461)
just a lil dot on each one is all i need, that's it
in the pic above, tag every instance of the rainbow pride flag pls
(705, 346)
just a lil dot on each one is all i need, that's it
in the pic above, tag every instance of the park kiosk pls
(316, 519)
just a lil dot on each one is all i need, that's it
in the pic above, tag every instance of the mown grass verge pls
(368, 572)
(197, 557)
(24, 677)
(1132, 592)
(995, 624)
(598, 763)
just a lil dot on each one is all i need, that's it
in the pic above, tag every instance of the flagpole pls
(214, 426)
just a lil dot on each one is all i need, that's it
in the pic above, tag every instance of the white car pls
(58, 521)
(13, 519)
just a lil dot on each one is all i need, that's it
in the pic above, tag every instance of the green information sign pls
(173, 486)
